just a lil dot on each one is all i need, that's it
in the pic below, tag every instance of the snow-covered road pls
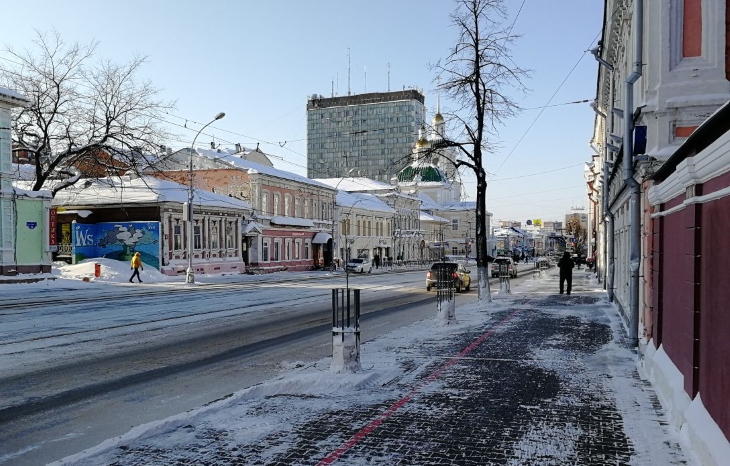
(83, 364)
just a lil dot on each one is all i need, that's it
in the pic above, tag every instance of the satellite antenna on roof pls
(348, 70)
(388, 76)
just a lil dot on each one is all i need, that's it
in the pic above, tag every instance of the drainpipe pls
(632, 184)
(608, 225)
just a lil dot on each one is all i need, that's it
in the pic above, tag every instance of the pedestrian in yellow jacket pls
(136, 265)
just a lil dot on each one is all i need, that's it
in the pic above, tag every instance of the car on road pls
(359, 265)
(454, 270)
(500, 261)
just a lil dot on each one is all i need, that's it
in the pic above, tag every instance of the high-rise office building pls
(369, 135)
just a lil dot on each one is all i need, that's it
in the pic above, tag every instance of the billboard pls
(537, 222)
(117, 240)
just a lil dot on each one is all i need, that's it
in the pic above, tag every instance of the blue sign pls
(117, 240)
(31, 225)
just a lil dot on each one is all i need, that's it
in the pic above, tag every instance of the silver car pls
(359, 265)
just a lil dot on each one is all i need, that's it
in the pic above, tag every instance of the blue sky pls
(257, 61)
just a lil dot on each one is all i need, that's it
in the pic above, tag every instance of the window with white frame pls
(455, 251)
(287, 250)
(265, 251)
(276, 203)
(307, 249)
(277, 250)
(297, 208)
(197, 237)
(306, 208)
(177, 237)
(287, 205)
(454, 224)
(297, 249)
(264, 203)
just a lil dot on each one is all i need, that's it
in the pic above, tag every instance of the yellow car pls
(454, 271)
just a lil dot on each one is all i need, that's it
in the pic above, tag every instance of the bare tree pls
(478, 75)
(84, 119)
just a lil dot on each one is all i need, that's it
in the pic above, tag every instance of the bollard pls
(445, 300)
(345, 330)
(97, 269)
(504, 278)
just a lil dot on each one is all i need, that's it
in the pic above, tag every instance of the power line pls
(539, 173)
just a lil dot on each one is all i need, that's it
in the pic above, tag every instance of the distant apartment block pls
(368, 135)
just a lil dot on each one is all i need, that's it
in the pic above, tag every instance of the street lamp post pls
(334, 220)
(190, 275)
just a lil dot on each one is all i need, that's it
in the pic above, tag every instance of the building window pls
(265, 203)
(197, 238)
(214, 236)
(276, 203)
(177, 237)
(454, 224)
(277, 250)
(297, 248)
(306, 250)
(265, 251)
(287, 250)
(287, 205)
(370, 231)
(306, 208)
(229, 235)
(455, 251)
(357, 231)
(297, 208)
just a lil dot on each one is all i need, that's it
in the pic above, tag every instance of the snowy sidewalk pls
(532, 378)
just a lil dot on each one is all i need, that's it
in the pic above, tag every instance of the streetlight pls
(334, 223)
(190, 275)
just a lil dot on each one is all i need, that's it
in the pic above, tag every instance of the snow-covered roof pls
(511, 231)
(10, 95)
(352, 184)
(228, 156)
(109, 191)
(427, 203)
(292, 221)
(456, 206)
(424, 217)
(363, 201)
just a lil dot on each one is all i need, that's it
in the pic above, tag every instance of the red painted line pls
(365, 431)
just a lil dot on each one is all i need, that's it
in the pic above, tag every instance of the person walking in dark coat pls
(566, 265)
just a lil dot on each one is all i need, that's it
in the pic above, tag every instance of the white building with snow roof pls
(293, 216)
(365, 224)
(406, 241)
(115, 217)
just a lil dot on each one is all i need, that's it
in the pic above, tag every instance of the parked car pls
(511, 267)
(457, 272)
(359, 265)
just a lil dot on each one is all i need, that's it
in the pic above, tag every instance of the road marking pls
(365, 431)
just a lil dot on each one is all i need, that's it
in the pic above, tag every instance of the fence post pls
(345, 330)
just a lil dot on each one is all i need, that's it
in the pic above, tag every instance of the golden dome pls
(423, 142)
(438, 118)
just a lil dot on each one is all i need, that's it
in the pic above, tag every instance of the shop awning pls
(321, 238)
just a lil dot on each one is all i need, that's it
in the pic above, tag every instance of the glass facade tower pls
(373, 134)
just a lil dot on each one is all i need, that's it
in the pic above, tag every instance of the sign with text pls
(52, 227)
